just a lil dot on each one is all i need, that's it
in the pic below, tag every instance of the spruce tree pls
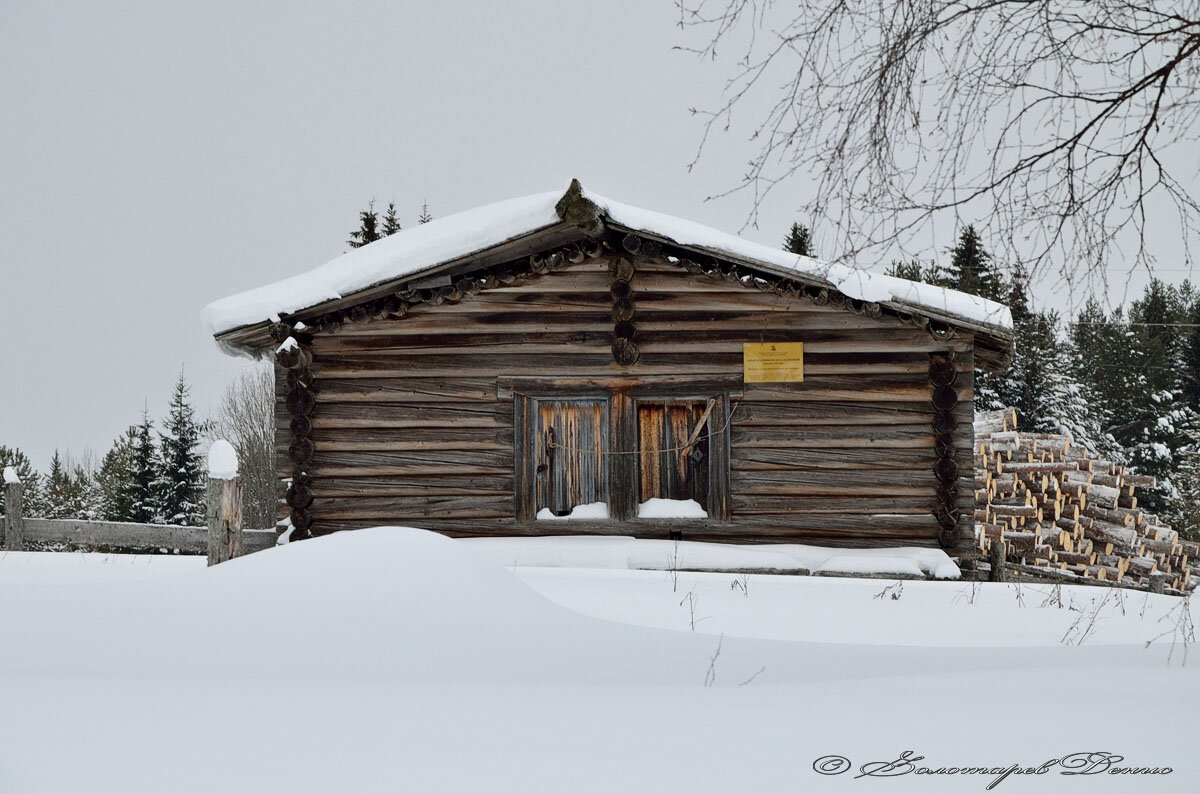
(31, 493)
(54, 488)
(1043, 389)
(1165, 444)
(64, 490)
(368, 227)
(116, 481)
(391, 223)
(913, 270)
(1160, 427)
(799, 241)
(1189, 344)
(424, 217)
(143, 471)
(971, 269)
(87, 493)
(1188, 500)
(180, 481)
(1102, 360)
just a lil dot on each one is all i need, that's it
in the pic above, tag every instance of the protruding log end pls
(300, 402)
(279, 331)
(622, 311)
(621, 269)
(300, 452)
(302, 519)
(293, 355)
(299, 496)
(625, 352)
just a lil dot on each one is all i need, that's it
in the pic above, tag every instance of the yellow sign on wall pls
(773, 362)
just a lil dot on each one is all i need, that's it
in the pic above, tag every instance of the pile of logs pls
(1060, 510)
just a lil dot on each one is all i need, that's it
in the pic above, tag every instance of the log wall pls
(414, 424)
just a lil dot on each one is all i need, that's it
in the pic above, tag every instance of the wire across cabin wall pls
(553, 444)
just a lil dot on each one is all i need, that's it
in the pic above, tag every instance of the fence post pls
(224, 504)
(996, 555)
(13, 536)
(1158, 582)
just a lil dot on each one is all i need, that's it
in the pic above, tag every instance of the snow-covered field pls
(399, 660)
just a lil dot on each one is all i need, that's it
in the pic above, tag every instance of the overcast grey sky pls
(157, 156)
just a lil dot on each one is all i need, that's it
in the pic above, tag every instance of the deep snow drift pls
(393, 659)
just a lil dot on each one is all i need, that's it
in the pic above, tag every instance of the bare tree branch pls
(1060, 123)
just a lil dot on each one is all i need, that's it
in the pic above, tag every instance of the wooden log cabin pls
(564, 356)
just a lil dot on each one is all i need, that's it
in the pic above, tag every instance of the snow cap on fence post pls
(222, 461)
(10, 476)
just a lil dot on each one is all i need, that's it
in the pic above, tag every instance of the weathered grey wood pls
(823, 530)
(416, 419)
(997, 563)
(134, 537)
(224, 501)
(1157, 582)
(14, 521)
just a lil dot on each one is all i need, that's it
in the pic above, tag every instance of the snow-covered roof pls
(414, 251)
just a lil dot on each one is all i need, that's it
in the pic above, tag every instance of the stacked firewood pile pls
(1064, 512)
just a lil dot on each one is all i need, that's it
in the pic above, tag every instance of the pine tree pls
(391, 223)
(116, 481)
(368, 227)
(143, 470)
(799, 241)
(179, 485)
(425, 217)
(31, 493)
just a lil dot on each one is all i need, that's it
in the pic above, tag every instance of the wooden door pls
(668, 467)
(570, 450)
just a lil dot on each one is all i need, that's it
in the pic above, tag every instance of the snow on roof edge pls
(406, 253)
(420, 248)
(851, 280)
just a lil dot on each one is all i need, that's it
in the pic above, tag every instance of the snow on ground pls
(395, 659)
(20, 568)
(633, 553)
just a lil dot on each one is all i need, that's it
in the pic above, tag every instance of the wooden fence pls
(221, 540)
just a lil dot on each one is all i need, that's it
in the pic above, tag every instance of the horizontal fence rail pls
(222, 539)
(187, 540)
